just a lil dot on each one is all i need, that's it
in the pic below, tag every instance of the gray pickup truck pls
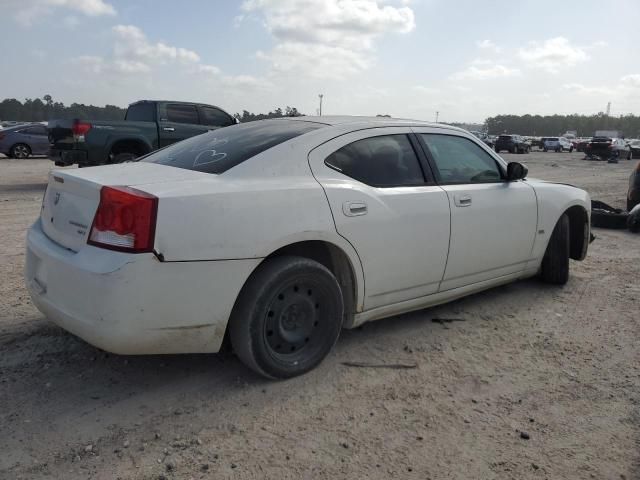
(148, 125)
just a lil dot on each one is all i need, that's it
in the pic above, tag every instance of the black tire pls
(630, 157)
(545, 149)
(287, 317)
(555, 264)
(20, 151)
(124, 157)
(497, 150)
(571, 150)
(606, 216)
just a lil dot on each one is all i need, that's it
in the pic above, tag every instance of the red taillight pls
(125, 220)
(80, 129)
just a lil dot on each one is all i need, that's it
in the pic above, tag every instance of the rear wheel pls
(20, 151)
(287, 317)
(555, 264)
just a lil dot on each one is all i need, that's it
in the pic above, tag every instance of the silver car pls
(22, 141)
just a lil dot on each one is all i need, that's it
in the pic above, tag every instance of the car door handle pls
(462, 200)
(354, 209)
(169, 129)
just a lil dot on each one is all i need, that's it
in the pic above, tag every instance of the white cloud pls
(488, 45)
(586, 90)
(132, 44)
(553, 55)
(337, 39)
(28, 12)
(632, 80)
(485, 71)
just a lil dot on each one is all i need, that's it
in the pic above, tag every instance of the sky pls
(467, 60)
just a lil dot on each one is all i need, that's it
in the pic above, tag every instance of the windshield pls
(224, 148)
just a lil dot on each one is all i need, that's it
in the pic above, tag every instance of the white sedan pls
(283, 232)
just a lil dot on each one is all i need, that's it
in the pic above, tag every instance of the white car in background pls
(557, 144)
(282, 232)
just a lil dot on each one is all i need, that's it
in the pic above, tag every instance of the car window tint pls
(459, 160)
(141, 112)
(383, 161)
(39, 130)
(215, 117)
(182, 113)
(224, 148)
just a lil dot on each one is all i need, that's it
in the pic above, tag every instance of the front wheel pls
(124, 157)
(555, 264)
(287, 317)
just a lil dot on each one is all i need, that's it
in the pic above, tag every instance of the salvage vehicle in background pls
(284, 231)
(557, 144)
(484, 137)
(634, 145)
(608, 148)
(148, 125)
(633, 195)
(512, 144)
(24, 140)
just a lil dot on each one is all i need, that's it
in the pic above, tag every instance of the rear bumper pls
(133, 304)
(68, 157)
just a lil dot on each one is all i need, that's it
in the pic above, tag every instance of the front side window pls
(215, 117)
(383, 161)
(459, 160)
(182, 113)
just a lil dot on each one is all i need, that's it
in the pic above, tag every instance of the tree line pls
(553, 125)
(39, 110)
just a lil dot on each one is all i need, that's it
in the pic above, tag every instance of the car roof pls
(357, 122)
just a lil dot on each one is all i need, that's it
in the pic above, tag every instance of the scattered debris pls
(525, 435)
(397, 366)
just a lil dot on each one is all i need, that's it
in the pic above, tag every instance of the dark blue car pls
(22, 141)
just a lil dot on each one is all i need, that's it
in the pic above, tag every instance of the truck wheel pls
(20, 150)
(555, 264)
(630, 157)
(124, 157)
(287, 317)
(545, 149)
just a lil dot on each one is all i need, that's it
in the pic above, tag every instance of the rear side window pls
(178, 113)
(141, 112)
(42, 131)
(222, 149)
(459, 160)
(215, 117)
(383, 161)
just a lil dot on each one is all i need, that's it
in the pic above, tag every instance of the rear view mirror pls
(516, 171)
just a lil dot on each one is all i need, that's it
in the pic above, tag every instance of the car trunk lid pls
(72, 196)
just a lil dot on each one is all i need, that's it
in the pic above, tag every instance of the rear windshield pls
(600, 139)
(504, 137)
(553, 139)
(141, 112)
(219, 150)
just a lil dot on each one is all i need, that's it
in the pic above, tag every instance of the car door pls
(178, 121)
(385, 203)
(493, 221)
(37, 139)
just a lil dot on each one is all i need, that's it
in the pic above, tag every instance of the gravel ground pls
(525, 381)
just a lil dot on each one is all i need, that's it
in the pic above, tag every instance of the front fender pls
(554, 199)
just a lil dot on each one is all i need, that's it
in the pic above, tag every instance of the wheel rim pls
(20, 151)
(294, 323)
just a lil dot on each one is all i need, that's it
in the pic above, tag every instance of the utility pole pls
(320, 97)
(437, 115)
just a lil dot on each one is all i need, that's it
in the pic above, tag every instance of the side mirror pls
(516, 171)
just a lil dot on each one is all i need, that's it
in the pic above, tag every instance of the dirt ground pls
(526, 381)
